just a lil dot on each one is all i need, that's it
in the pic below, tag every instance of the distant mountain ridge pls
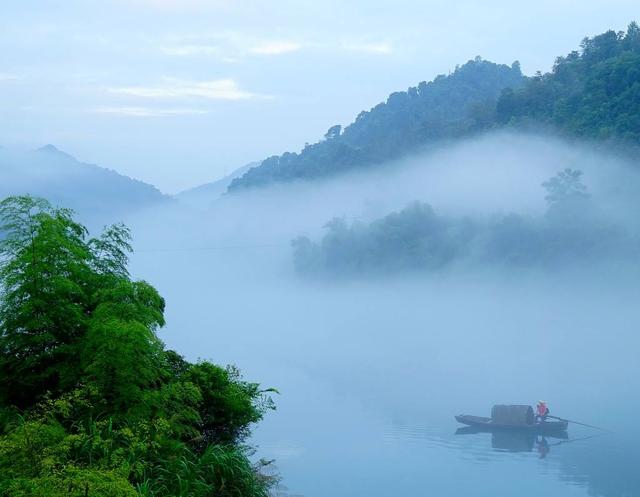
(201, 196)
(97, 194)
(592, 93)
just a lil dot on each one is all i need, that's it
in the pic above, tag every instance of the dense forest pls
(91, 402)
(573, 229)
(592, 93)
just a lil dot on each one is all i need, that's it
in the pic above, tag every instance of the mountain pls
(97, 194)
(592, 93)
(201, 196)
(447, 107)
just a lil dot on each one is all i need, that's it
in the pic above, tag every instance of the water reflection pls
(519, 441)
(608, 465)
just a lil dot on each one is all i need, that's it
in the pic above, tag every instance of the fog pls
(331, 67)
(372, 370)
(497, 174)
(99, 196)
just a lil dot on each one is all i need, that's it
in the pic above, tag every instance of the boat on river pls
(512, 417)
(481, 423)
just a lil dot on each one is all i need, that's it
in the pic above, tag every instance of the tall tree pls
(44, 270)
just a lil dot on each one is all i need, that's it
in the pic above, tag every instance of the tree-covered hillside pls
(449, 106)
(91, 402)
(573, 230)
(593, 93)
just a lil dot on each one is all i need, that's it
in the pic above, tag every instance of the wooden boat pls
(488, 424)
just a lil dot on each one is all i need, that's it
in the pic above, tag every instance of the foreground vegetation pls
(91, 403)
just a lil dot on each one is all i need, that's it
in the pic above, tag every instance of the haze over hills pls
(592, 93)
(469, 242)
(202, 196)
(448, 107)
(97, 194)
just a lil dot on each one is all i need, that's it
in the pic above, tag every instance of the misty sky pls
(178, 92)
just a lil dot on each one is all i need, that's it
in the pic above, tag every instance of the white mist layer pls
(374, 370)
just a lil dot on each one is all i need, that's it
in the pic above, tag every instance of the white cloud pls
(217, 89)
(181, 4)
(5, 76)
(275, 47)
(146, 111)
(229, 44)
(188, 50)
(381, 48)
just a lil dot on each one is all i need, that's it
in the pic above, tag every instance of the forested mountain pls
(98, 195)
(592, 93)
(447, 107)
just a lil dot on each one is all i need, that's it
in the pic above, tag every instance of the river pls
(372, 373)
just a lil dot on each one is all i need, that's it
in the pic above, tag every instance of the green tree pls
(91, 403)
(333, 132)
(121, 353)
(565, 187)
(229, 405)
(46, 287)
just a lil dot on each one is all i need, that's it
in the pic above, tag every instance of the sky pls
(181, 92)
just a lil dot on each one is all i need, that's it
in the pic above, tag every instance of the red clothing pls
(542, 410)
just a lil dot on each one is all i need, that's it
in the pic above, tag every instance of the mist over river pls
(372, 370)
(316, 249)
(371, 377)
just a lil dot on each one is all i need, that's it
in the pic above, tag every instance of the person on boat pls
(542, 411)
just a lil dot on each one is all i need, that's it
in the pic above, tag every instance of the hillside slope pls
(592, 93)
(97, 194)
(447, 107)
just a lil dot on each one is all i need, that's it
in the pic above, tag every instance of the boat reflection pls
(519, 441)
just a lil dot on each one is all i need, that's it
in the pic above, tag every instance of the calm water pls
(372, 374)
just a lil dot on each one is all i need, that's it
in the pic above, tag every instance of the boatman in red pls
(542, 411)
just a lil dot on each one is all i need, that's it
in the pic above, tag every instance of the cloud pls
(188, 50)
(5, 76)
(217, 89)
(227, 44)
(180, 4)
(146, 112)
(380, 48)
(234, 45)
(275, 47)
